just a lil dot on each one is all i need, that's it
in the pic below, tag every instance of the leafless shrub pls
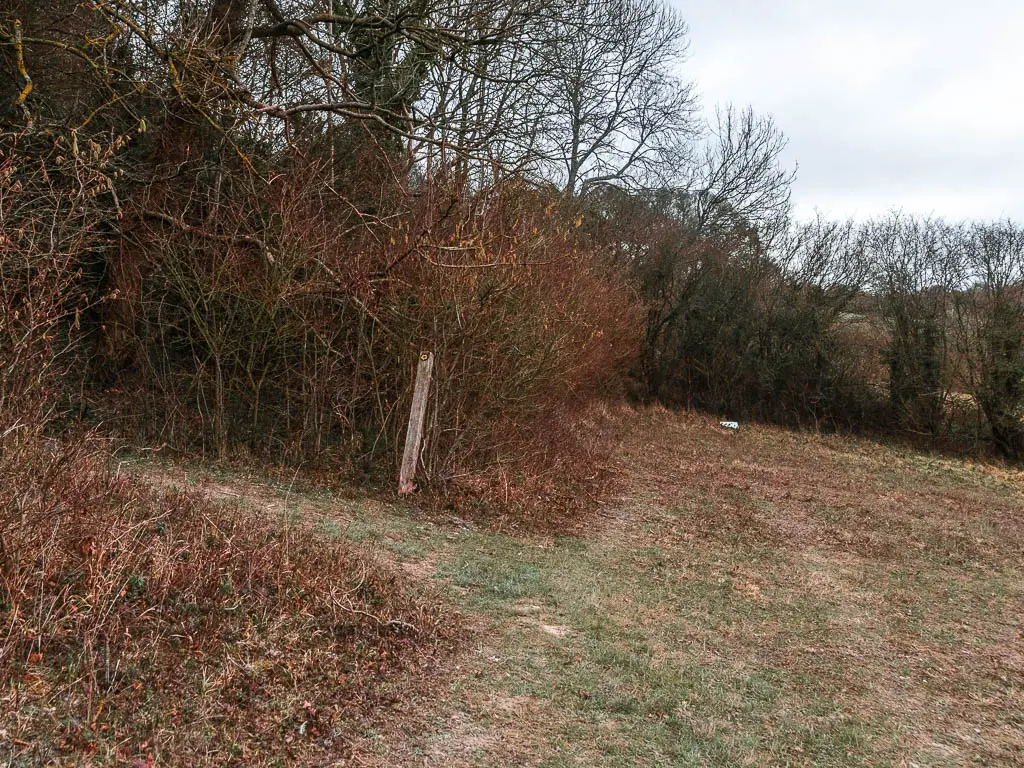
(311, 343)
(47, 221)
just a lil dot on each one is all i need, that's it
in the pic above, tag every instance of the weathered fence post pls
(417, 416)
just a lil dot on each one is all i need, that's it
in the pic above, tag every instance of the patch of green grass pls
(635, 680)
(498, 570)
(833, 515)
(644, 673)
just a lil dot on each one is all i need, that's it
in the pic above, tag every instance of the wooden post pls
(417, 416)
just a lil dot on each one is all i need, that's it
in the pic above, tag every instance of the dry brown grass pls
(754, 598)
(563, 488)
(916, 560)
(799, 490)
(148, 626)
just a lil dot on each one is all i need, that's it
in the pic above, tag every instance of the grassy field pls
(751, 598)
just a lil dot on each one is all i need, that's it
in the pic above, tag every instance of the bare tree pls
(739, 181)
(296, 61)
(479, 97)
(827, 254)
(607, 106)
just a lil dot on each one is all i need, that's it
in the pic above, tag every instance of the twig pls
(19, 52)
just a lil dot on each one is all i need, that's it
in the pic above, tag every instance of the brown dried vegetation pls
(157, 627)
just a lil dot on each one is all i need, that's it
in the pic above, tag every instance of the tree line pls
(902, 325)
(231, 226)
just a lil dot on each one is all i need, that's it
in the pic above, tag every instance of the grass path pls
(758, 598)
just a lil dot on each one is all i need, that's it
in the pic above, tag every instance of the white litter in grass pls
(730, 424)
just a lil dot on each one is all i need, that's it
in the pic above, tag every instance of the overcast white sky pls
(913, 104)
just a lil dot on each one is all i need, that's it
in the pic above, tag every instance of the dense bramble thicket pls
(142, 625)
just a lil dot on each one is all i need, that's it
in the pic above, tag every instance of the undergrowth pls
(144, 626)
